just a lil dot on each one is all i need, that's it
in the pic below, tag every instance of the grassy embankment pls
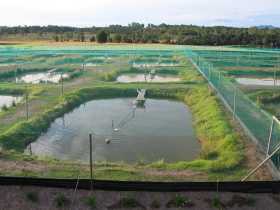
(268, 99)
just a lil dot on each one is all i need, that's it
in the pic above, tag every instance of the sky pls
(84, 13)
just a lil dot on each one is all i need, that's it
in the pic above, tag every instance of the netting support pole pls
(262, 163)
(62, 85)
(270, 137)
(275, 79)
(90, 161)
(210, 72)
(234, 103)
(26, 102)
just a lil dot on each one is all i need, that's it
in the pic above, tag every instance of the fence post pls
(26, 102)
(234, 103)
(275, 79)
(90, 161)
(270, 137)
(210, 71)
(62, 85)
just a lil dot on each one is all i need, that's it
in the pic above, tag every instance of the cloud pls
(105, 12)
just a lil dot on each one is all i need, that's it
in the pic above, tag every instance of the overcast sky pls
(107, 12)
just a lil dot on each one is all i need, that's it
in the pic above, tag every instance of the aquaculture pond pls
(258, 81)
(45, 77)
(129, 78)
(160, 130)
(8, 101)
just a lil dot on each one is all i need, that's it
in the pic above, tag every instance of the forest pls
(140, 33)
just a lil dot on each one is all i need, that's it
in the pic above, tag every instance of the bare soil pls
(16, 198)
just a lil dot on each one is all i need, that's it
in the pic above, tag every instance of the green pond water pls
(161, 130)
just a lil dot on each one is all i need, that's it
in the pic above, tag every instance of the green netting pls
(256, 120)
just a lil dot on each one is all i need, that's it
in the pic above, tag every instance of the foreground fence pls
(87, 184)
(260, 125)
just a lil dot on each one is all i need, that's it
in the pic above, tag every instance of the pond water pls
(161, 130)
(129, 78)
(8, 100)
(258, 81)
(45, 77)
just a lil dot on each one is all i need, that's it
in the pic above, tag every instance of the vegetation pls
(128, 202)
(179, 202)
(139, 33)
(91, 202)
(32, 196)
(268, 100)
(102, 37)
(61, 201)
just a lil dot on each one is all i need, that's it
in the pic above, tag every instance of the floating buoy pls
(107, 141)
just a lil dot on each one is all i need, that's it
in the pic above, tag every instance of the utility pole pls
(90, 161)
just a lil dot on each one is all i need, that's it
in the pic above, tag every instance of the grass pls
(268, 99)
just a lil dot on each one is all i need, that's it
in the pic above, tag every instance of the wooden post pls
(90, 161)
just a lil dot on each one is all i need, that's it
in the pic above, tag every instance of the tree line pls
(139, 33)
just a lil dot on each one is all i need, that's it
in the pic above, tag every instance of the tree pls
(81, 37)
(116, 38)
(56, 38)
(92, 39)
(102, 37)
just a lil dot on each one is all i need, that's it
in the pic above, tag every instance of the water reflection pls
(129, 78)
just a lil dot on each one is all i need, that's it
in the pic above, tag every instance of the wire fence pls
(260, 125)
